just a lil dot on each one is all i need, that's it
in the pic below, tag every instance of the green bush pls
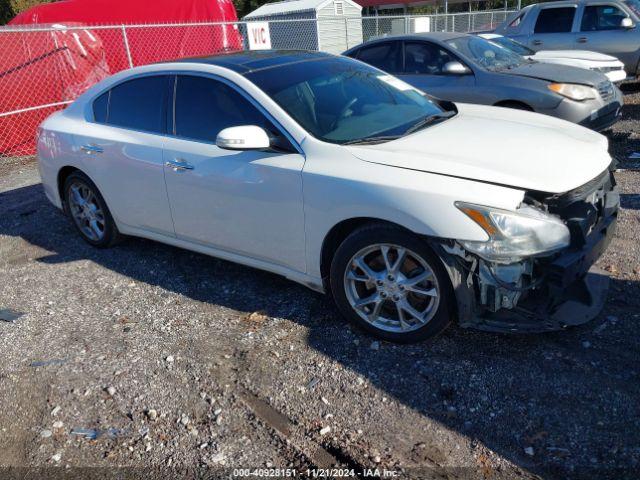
(10, 8)
(6, 11)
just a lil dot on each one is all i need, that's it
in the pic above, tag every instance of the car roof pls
(558, 3)
(244, 62)
(437, 36)
(561, 3)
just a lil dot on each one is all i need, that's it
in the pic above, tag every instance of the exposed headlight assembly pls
(514, 235)
(574, 91)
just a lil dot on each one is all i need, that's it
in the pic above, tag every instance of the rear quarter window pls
(516, 22)
(101, 108)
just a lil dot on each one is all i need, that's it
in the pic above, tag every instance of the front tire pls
(89, 212)
(390, 283)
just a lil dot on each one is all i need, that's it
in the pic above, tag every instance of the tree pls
(6, 11)
(21, 5)
(10, 8)
(244, 7)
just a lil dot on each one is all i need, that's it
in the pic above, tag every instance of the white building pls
(329, 25)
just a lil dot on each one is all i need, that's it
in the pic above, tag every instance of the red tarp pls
(47, 67)
(148, 44)
(116, 12)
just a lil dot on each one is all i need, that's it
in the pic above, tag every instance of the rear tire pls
(390, 283)
(89, 212)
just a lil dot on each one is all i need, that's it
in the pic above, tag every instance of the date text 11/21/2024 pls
(316, 473)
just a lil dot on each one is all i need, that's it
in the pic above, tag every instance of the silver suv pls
(608, 26)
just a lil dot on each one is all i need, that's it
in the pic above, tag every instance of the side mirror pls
(455, 68)
(245, 137)
(627, 23)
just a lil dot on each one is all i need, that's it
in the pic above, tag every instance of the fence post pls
(492, 25)
(346, 31)
(407, 21)
(126, 46)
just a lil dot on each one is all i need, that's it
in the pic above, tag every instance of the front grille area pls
(606, 69)
(606, 90)
(584, 207)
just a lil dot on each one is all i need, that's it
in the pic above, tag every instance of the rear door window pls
(601, 17)
(555, 20)
(385, 56)
(139, 104)
(204, 107)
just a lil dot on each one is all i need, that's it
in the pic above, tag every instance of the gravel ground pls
(167, 363)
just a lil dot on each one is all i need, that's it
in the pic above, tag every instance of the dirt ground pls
(166, 363)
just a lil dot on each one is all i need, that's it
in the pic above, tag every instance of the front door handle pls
(179, 165)
(91, 149)
(537, 42)
(582, 40)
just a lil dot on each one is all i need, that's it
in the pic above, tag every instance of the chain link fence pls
(373, 27)
(44, 69)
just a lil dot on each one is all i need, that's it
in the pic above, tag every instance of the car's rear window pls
(385, 56)
(138, 104)
(555, 20)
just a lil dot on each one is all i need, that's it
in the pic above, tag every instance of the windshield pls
(512, 45)
(634, 5)
(487, 54)
(341, 100)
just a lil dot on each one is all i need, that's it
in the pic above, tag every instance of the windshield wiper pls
(438, 117)
(511, 66)
(372, 140)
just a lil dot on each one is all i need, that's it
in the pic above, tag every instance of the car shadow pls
(630, 201)
(571, 396)
(630, 88)
(631, 111)
(623, 145)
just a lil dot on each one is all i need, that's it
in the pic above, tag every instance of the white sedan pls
(411, 212)
(599, 62)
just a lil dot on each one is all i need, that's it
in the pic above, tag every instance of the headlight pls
(573, 91)
(514, 235)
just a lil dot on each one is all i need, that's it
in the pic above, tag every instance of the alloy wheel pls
(392, 288)
(86, 211)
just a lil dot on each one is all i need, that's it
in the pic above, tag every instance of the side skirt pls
(308, 281)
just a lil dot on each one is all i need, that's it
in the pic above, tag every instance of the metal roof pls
(249, 61)
(292, 6)
(433, 36)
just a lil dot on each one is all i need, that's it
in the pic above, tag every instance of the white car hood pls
(499, 145)
(574, 54)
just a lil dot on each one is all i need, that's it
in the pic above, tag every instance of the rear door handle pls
(91, 149)
(582, 40)
(537, 42)
(179, 165)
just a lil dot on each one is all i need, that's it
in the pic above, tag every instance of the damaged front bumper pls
(543, 293)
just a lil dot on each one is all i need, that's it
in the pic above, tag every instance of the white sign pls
(259, 36)
(396, 83)
(422, 24)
